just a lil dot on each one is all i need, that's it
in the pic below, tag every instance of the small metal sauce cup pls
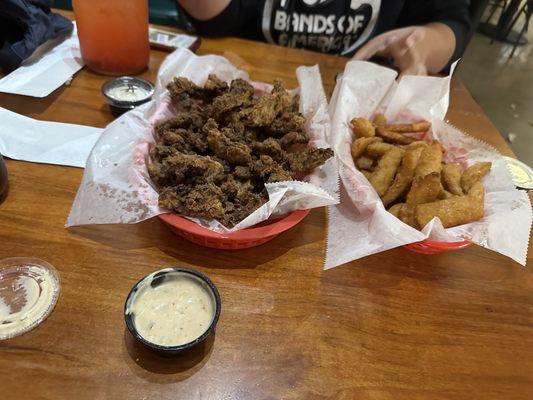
(120, 106)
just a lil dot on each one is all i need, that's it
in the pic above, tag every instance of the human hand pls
(404, 46)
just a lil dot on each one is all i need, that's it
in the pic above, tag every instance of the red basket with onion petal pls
(432, 247)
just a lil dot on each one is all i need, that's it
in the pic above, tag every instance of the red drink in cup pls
(113, 35)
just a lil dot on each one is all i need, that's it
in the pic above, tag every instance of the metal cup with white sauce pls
(172, 310)
(125, 93)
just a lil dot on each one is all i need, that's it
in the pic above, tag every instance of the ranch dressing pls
(178, 310)
(128, 93)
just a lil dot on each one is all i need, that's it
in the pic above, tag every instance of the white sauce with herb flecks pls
(176, 311)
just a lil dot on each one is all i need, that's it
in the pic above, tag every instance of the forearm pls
(204, 10)
(437, 47)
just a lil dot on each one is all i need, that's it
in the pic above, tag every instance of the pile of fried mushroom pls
(213, 158)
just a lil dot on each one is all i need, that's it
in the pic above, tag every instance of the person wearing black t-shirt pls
(420, 36)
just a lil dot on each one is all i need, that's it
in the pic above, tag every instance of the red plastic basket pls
(243, 239)
(432, 247)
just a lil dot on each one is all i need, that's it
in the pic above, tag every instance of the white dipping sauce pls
(177, 311)
(128, 93)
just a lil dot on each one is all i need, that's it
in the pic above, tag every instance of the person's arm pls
(223, 17)
(416, 50)
(437, 47)
(435, 34)
(455, 14)
(204, 10)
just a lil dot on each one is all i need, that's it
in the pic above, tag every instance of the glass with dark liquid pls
(3, 179)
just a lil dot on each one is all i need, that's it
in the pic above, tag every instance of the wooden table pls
(396, 325)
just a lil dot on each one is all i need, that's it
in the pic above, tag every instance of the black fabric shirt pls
(332, 26)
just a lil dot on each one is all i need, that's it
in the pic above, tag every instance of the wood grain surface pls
(396, 325)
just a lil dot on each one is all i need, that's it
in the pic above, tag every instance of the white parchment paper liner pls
(28, 139)
(116, 187)
(360, 225)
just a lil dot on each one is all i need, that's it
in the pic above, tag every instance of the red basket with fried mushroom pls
(243, 239)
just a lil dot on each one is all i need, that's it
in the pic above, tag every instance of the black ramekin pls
(172, 350)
